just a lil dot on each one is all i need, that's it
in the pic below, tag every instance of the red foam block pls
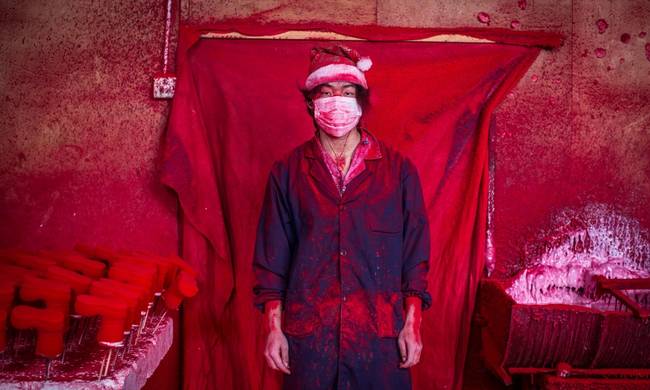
(36, 263)
(184, 286)
(113, 316)
(139, 274)
(55, 294)
(143, 294)
(79, 263)
(49, 325)
(79, 283)
(130, 298)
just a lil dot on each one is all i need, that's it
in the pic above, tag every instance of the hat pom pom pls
(364, 63)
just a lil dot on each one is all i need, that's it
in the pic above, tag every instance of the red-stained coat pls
(342, 264)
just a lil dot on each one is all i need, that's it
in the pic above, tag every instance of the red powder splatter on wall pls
(602, 25)
(642, 34)
(483, 17)
(647, 51)
(625, 38)
(522, 4)
(515, 24)
(600, 52)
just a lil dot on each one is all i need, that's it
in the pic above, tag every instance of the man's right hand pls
(277, 351)
(277, 346)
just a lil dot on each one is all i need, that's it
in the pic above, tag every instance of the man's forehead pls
(342, 84)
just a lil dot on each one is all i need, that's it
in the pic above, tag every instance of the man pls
(342, 250)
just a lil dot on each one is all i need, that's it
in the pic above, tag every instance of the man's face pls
(336, 88)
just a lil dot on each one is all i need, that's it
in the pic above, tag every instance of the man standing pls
(342, 250)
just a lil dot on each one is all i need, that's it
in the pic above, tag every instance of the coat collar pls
(318, 170)
(312, 149)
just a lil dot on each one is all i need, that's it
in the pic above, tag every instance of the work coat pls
(342, 264)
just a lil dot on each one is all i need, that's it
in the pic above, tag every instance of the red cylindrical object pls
(184, 286)
(79, 263)
(55, 294)
(15, 272)
(143, 295)
(113, 316)
(140, 274)
(138, 261)
(79, 283)
(128, 297)
(49, 325)
(166, 268)
(39, 264)
(98, 253)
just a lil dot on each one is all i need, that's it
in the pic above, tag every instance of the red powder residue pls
(621, 60)
(600, 52)
(515, 24)
(521, 4)
(625, 38)
(602, 25)
(647, 51)
(483, 17)
(642, 34)
(534, 78)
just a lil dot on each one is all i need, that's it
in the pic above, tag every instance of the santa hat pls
(337, 63)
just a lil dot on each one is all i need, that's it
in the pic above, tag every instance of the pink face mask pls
(336, 115)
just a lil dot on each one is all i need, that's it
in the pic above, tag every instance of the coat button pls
(343, 252)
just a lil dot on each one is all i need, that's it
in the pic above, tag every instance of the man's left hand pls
(409, 340)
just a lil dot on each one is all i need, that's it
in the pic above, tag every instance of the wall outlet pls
(164, 85)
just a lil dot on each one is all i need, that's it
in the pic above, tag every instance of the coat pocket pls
(300, 319)
(385, 226)
(389, 313)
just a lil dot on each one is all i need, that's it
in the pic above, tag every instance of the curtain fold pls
(237, 109)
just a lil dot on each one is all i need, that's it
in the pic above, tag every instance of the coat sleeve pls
(274, 241)
(416, 248)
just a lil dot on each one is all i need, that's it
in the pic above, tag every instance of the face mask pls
(337, 115)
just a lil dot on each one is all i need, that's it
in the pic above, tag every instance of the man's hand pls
(409, 340)
(277, 347)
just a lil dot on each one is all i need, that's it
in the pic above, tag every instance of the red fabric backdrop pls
(237, 109)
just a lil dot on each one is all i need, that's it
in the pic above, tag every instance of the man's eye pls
(326, 93)
(349, 94)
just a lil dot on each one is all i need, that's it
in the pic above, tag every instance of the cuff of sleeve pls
(262, 297)
(424, 296)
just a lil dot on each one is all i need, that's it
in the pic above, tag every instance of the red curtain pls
(237, 109)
